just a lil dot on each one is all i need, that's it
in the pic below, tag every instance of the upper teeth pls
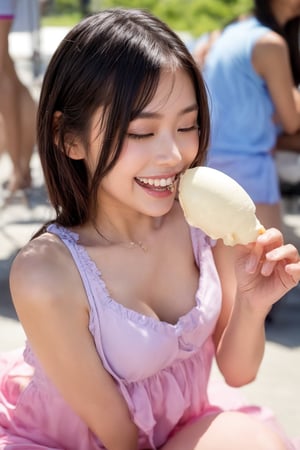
(158, 182)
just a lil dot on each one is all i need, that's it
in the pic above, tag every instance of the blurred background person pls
(17, 107)
(252, 71)
(84, 7)
(203, 44)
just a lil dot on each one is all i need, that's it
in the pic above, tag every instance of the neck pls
(135, 233)
(282, 12)
(128, 244)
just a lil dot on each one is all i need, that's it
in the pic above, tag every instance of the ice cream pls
(214, 202)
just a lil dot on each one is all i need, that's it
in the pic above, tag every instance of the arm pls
(51, 304)
(203, 47)
(270, 59)
(253, 278)
(289, 142)
(205, 44)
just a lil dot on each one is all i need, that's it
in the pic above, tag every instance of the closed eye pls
(139, 136)
(187, 129)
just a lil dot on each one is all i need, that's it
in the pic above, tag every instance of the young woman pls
(125, 305)
(252, 71)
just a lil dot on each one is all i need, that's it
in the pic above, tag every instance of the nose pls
(168, 151)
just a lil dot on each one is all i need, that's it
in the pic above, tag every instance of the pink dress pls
(161, 369)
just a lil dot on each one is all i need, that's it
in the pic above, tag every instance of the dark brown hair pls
(290, 32)
(112, 60)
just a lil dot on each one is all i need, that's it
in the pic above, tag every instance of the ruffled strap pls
(201, 244)
(84, 264)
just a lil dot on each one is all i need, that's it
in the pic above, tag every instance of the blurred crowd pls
(18, 108)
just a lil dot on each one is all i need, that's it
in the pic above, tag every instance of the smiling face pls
(160, 143)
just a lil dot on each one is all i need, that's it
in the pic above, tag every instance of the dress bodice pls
(162, 369)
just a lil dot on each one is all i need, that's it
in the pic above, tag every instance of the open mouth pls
(158, 184)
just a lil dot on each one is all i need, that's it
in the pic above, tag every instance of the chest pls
(160, 283)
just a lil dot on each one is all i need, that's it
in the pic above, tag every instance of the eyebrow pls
(154, 115)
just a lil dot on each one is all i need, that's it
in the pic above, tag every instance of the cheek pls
(190, 147)
(127, 163)
(133, 155)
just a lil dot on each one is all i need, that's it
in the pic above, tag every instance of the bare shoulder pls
(271, 40)
(42, 271)
(271, 48)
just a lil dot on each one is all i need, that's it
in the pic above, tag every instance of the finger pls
(267, 242)
(267, 267)
(287, 251)
(270, 237)
(293, 270)
(255, 258)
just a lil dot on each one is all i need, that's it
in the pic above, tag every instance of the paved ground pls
(278, 384)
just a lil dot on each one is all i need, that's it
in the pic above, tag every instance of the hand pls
(202, 49)
(266, 269)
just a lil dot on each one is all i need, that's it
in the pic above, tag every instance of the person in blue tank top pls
(252, 71)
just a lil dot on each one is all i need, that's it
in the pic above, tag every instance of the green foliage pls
(193, 16)
(65, 6)
(60, 20)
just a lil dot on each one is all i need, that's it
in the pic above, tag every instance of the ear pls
(73, 145)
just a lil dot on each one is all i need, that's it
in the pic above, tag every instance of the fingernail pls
(267, 268)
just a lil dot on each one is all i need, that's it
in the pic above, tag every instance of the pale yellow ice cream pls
(219, 206)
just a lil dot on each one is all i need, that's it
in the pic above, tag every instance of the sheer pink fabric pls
(161, 369)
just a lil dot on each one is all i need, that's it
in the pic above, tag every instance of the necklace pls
(129, 244)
